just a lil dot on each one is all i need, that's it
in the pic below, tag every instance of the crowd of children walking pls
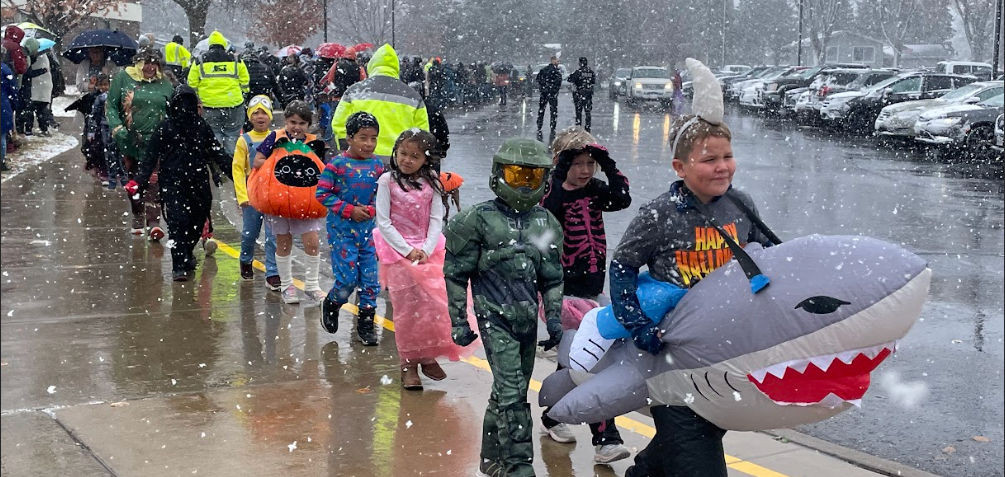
(538, 251)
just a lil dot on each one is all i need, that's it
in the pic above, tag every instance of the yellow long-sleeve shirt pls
(244, 156)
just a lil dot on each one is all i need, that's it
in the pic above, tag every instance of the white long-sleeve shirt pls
(386, 225)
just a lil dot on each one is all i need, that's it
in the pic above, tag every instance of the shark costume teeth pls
(799, 352)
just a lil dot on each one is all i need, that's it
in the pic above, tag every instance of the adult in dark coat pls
(261, 79)
(181, 150)
(549, 81)
(292, 81)
(583, 79)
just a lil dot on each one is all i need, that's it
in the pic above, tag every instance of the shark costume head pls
(797, 352)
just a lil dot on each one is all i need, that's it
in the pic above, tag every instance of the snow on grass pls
(60, 103)
(36, 150)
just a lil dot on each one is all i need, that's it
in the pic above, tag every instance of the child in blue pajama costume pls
(348, 188)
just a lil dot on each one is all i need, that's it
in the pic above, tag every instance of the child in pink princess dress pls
(410, 250)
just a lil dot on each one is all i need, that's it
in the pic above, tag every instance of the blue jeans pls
(226, 124)
(249, 234)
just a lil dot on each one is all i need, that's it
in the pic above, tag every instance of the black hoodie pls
(180, 150)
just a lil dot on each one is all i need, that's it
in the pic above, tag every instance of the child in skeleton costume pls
(578, 200)
(509, 251)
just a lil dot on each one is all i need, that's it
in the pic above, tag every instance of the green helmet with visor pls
(521, 169)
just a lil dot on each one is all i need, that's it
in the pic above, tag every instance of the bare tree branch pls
(62, 16)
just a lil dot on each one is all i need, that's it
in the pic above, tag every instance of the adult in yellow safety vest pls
(396, 106)
(221, 79)
(177, 58)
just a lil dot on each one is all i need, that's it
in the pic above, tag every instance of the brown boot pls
(410, 378)
(433, 371)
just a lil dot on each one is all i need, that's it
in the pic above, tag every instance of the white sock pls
(284, 265)
(311, 277)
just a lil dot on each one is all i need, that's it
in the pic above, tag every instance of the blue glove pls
(647, 339)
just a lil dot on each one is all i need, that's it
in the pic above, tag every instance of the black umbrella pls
(118, 46)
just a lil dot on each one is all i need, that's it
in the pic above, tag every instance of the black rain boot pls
(365, 328)
(329, 315)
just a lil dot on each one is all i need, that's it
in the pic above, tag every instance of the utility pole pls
(392, 25)
(324, 9)
(723, 65)
(799, 44)
(998, 38)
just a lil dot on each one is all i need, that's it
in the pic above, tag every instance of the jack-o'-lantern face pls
(296, 170)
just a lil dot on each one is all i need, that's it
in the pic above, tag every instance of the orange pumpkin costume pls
(285, 185)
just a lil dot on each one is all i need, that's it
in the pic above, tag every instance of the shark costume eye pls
(821, 305)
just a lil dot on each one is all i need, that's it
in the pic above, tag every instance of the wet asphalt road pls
(807, 180)
(71, 284)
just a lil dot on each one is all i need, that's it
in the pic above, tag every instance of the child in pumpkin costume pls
(348, 188)
(180, 149)
(282, 186)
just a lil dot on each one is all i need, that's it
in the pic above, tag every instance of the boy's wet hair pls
(574, 137)
(358, 121)
(101, 78)
(299, 108)
(695, 133)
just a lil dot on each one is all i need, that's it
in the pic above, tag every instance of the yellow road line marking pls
(637, 427)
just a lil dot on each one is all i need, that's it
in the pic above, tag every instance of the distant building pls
(919, 56)
(843, 47)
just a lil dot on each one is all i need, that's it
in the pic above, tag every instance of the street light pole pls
(324, 9)
(392, 24)
(998, 38)
(723, 33)
(799, 44)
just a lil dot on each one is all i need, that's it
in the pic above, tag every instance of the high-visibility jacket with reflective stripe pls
(176, 55)
(220, 84)
(396, 106)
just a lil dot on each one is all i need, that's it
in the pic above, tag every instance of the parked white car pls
(649, 83)
(750, 97)
(898, 119)
(735, 90)
(734, 69)
(981, 71)
(966, 126)
(835, 107)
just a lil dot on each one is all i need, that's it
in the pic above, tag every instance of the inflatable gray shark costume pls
(798, 351)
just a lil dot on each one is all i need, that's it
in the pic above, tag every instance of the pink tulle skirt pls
(418, 295)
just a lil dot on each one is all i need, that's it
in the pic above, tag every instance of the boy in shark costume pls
(680, 246)
(739, 354)
(509, 250)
